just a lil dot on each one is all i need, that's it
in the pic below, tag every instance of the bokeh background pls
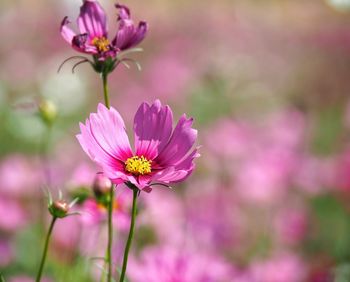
(267, 83)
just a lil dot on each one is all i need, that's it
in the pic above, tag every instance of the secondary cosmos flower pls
(162, 155)
(93, 35)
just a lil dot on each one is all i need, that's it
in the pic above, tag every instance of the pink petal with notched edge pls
(180, 143)
(152, 129)
(109, 131)
(104, 139)
(124, 12)
(124, 35)
(92, 19)
(66, 32)
(128, 35)
(179, 172)
(140, 33)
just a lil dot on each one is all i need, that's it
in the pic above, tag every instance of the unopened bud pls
(59, 208)
(48, 111)
(102, 185)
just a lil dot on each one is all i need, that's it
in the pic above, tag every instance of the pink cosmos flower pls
(162, 155)
(93, 36)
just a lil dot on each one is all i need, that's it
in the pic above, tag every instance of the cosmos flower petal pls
(170, 175)
(124, 35)
(66, 32)
(181, 141)
(115, 173)
(124, 12)
(144, 181)
(79, 43)
(128, 35)
(103, 123)
(92, 148)
(140, 33)
(92, 19)
(179, 172)
(152, 129)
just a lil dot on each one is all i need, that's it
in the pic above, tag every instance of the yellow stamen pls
(138, 165)
(101, 43)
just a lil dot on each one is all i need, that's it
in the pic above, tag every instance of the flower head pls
(93, 34)
(162, 155)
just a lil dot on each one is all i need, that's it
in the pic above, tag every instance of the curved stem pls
(131, 234)
(43, 259)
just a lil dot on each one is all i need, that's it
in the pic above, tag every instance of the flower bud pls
(59, 208)
(48, 111)
(102, 185)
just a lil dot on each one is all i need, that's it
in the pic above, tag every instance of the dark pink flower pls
(162, 155)
(93, 35)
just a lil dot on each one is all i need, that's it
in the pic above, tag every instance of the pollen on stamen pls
(101, 43)
(138, 165)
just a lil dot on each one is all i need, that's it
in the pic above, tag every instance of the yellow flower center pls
(138, 165)
(101, 43)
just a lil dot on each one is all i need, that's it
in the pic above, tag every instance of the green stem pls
(105, 89)
(131, 234)
(43, 259)
(111, 196)
(110, 234)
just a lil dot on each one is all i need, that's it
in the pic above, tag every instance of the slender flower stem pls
(105, 89)
(131, 234)
(43, 259)
(110, 234)
(111, 196)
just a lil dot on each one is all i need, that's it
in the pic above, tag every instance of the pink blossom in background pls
(156, 213)
(290, 225)
(161, 154)
(234, 141)
(94, 213)
(20, 176)
(213, 219)
(66, 235)
(169, 264)
(261, 158)
(6, 253)
(13, 215)
(315, 175)
(174, 73)
(285, 267)
(265, 177)
(83, 175)
(284, 129)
